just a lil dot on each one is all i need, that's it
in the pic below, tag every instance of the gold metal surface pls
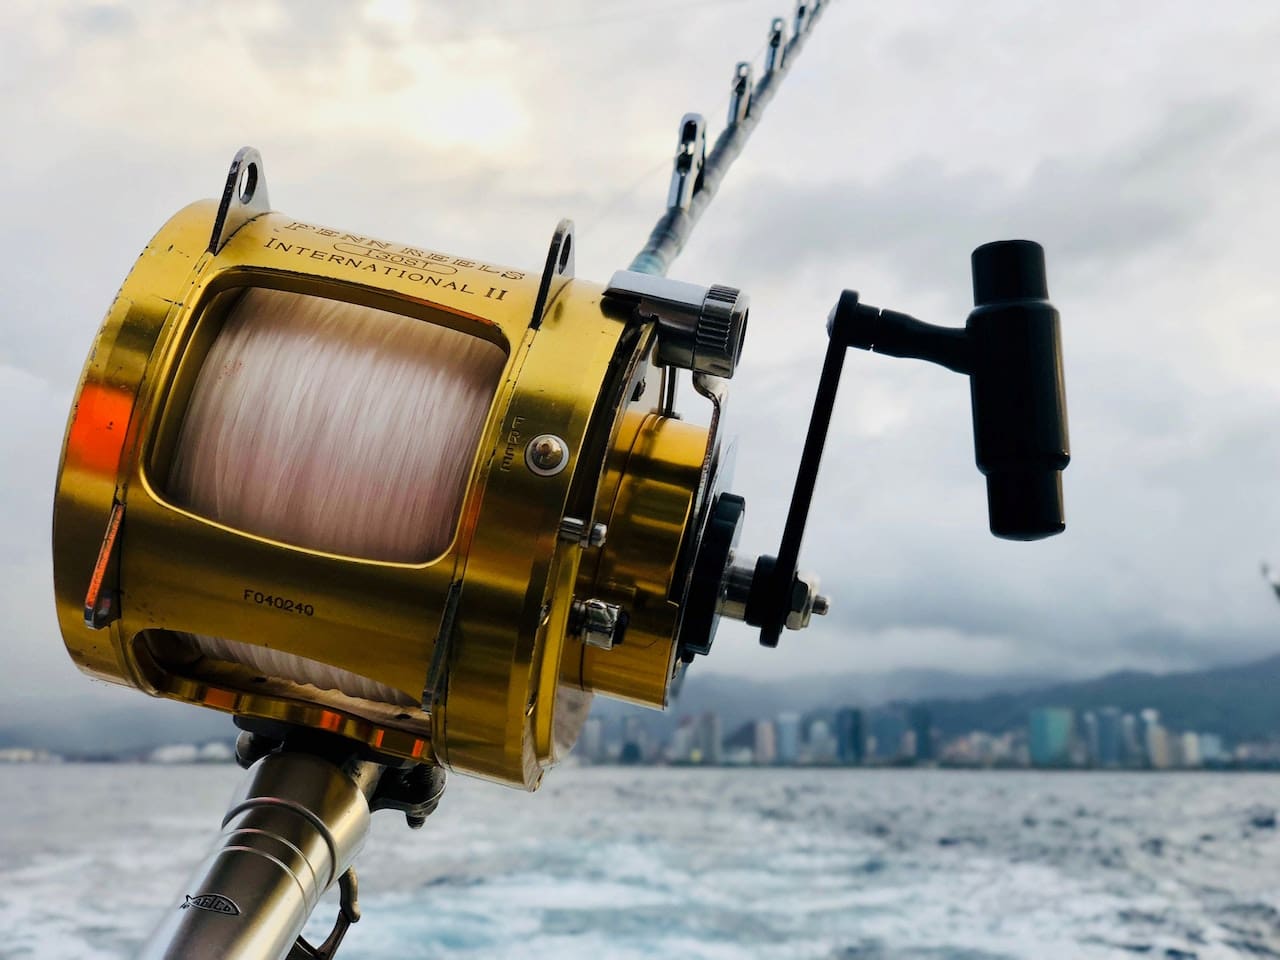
(480, 634)
(650, 491)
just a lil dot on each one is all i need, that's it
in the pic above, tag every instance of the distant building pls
(709, 742)
(888, 730)
(174, 753)
(821, 743)
(766, 746)
(788, 738)
(1260, 752)
(973, 749)
(680, 749)
(1190, 752)
(1211, 750)
(1111, 738)
(1159, 750)
(851, 744)
(27, 755)
(740, 746)
(1049, 736)
(216, 751)
(1089, 744)
(1135, 750)
(922, 727)
(635, 742)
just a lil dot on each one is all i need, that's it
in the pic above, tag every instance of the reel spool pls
(425, 502)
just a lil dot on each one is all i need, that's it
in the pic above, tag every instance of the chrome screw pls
(546, 455)
(573, 530)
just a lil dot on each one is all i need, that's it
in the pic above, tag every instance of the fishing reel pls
(208, 550)
(195, 558)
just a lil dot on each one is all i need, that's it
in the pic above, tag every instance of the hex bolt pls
(804, 601)
(597, 623)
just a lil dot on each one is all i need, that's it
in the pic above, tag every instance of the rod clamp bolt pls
(599, 624)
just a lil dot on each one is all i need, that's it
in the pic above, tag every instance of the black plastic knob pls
(1019, 397)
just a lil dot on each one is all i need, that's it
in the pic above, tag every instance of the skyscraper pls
(1049, 736)
(822, 746)
(922, 727)
(766, 747)
(888, 729)
(1091, 741)
(635, 741)
(850, 739)
(1155, 740)
(788, 738)
(1135, 750)
(1190, 749)
(1111, 738)
(1159, 747)
(708, 739)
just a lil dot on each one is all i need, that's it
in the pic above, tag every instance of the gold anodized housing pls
(481, 637)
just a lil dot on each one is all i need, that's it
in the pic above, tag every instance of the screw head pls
(546, 455)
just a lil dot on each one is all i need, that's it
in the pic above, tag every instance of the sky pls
(1137, 142)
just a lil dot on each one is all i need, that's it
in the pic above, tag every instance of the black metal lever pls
(1011, 350)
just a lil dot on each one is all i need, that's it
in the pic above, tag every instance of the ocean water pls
(715, 864)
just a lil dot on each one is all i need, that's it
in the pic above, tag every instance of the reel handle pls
(1011, 350)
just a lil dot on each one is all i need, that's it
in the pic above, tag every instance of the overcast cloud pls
(1137, 142)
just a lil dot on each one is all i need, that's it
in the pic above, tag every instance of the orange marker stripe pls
(100, 568)
(96, 436)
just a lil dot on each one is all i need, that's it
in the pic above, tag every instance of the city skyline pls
(1054, 738)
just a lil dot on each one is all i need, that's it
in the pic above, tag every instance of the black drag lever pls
(1011, 350)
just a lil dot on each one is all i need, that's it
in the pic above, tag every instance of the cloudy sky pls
(1138, 142)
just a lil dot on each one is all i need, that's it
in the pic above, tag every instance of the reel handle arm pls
(775, 581)
(1010, 348)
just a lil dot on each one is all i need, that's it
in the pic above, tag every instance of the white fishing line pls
(286, 666)
(334, 427)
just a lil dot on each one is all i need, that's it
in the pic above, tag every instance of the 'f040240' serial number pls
(279, 603)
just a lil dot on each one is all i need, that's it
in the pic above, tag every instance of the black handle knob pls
(1019, 398)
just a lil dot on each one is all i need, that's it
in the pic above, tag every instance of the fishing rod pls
(697, 174)
(400, 511)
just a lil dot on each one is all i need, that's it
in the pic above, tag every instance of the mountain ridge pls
(1239, 701)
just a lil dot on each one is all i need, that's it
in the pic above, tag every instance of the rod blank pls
(673, 228)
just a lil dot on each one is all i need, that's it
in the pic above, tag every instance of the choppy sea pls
(639, 863)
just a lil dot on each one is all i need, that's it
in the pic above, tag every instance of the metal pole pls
(685, 207)
(292, 831)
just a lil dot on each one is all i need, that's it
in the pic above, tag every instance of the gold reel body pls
(482, 637)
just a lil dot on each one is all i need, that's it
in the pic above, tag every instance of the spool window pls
(333, 426)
